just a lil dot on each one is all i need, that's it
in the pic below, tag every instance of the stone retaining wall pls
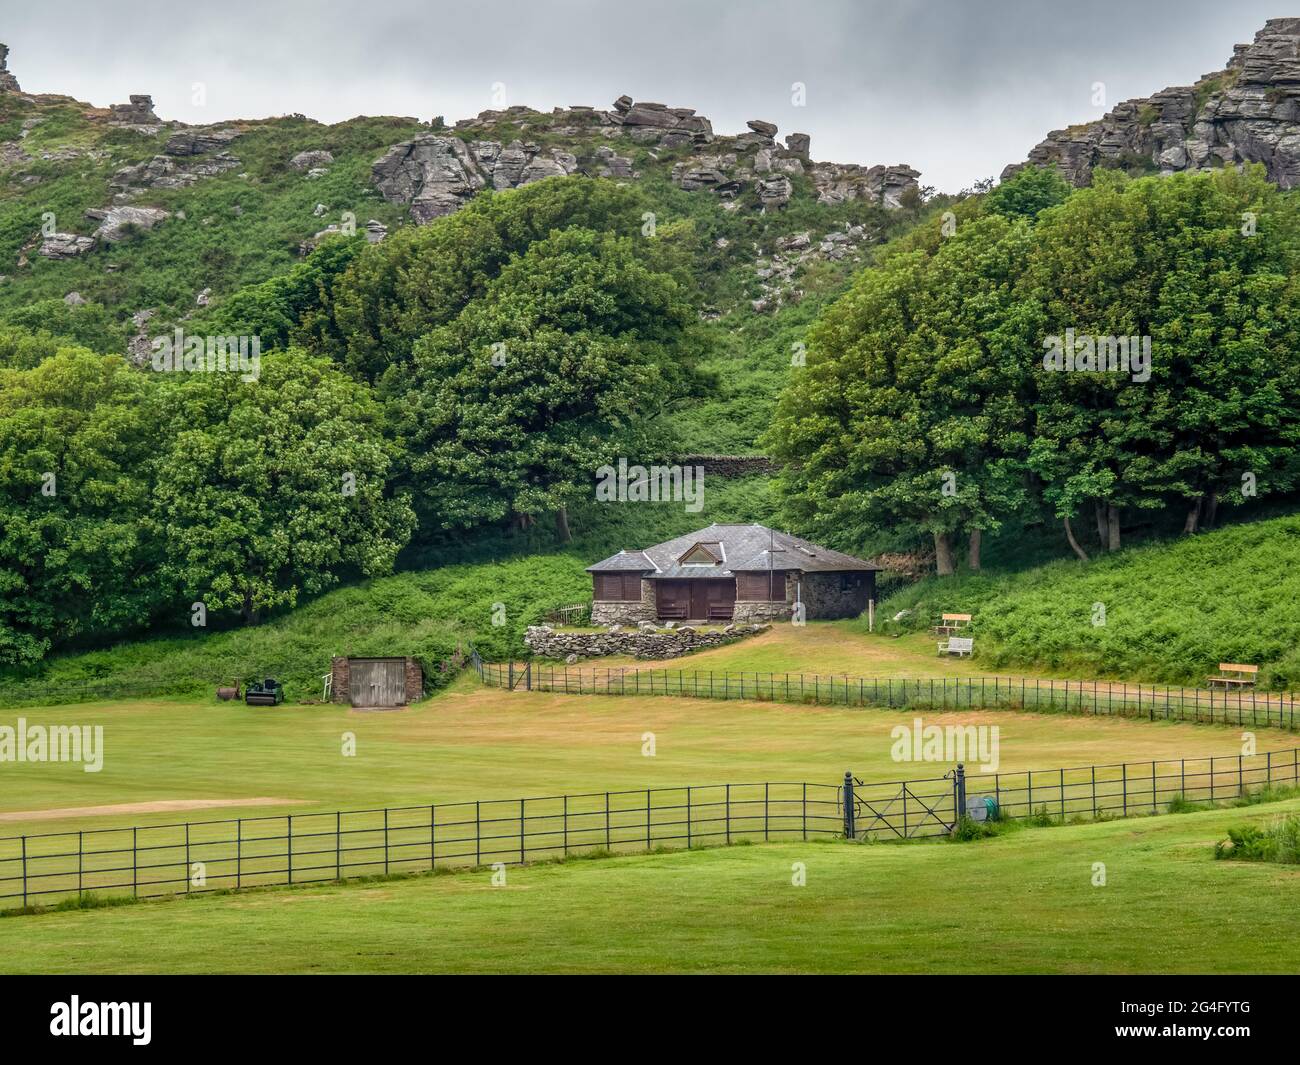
(547, 642)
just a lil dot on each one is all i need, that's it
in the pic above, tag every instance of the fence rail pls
(1155, 702)
(202, 856)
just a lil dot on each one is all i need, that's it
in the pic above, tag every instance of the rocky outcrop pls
(437, 172)
(885, 185)
(8, 83)
(118, 223)
(163, 172)
(1247, 113)
(137, 113)
(65, 245)
(198, 141)
(312, 160)
(645, 641)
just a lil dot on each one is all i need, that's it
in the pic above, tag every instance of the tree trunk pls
(249, 615)
(1099, 509)
(1193, 517)
(943, 560)
(562, 525)
(973, 551)
(1112, 527)
(1209, 509)
(1069, 535)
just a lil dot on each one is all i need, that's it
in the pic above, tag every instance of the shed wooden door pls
(378, 681)
(713, 600)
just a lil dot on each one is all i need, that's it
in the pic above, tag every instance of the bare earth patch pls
(157, 806)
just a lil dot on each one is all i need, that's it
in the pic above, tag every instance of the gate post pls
(959, 794)
(849, 830)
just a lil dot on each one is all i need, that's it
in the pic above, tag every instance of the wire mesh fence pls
(202, 856)
(1106, 698)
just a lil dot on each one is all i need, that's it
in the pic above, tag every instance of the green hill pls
(1173, 609)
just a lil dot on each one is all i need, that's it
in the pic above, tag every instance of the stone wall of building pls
(643, 642)
(750, 610)
(341, 684)
(824, 599)
(612, 612)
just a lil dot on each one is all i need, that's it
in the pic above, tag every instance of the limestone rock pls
(1249, 112)
(8, 83)
(65, 245)
(798, 144)
(767, 129)
(139, 112)
(74, 299)
(313, 160)
(375, 231)
(435, 174)
(775, 192)
(198, 141)
(117, 223)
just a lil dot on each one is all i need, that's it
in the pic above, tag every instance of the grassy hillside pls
(444, 599)
(878, 908)
(1172, 610)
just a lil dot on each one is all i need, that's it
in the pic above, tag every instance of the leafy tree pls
(1029, 191)
(293, 307)
(912, 411)
(77, 437)
(555, 369)
(421, 277)
(274, 487)
(1168, 262)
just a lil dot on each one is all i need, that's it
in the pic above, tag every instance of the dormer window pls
(704, 553)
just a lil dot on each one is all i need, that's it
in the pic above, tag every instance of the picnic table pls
(951, 624)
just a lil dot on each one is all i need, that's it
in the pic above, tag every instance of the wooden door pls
(377, 681)
(714, 600)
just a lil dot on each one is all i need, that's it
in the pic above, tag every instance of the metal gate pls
(378, 681)
(903, 809)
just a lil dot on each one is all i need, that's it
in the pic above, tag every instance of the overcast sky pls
(957, 88)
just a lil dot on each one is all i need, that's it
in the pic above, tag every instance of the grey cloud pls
(957, 89)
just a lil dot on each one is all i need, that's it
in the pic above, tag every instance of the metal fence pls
(1152, 701)
(204, 856)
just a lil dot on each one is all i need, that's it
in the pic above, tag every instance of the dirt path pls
(157, 806)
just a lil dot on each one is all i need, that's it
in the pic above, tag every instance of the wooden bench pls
(721, 611)
(957, 645)
(673, 610)
(951, 624)
(1235, 675)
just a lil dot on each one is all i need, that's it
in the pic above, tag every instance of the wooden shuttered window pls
(618, 587)
(761, 586)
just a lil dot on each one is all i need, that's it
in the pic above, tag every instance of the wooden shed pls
(377, 682)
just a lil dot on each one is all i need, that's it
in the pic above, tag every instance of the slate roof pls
(744, 549)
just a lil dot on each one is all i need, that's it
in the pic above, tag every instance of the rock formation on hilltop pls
(436, 173)
(8, 83)
(1247, 113)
